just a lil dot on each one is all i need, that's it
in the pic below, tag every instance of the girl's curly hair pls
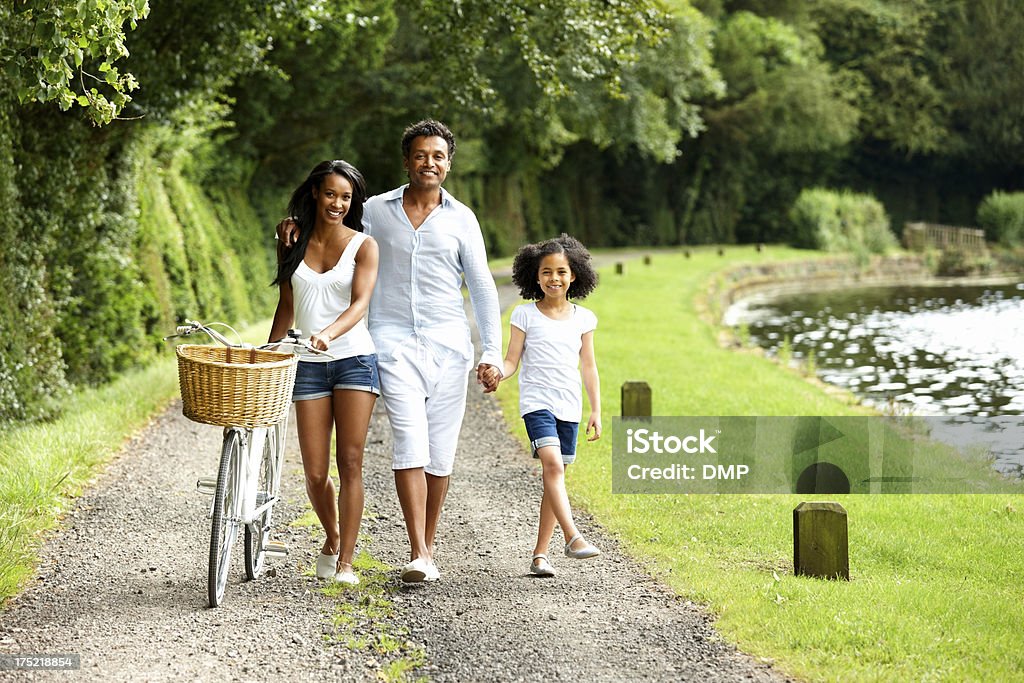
(527, 264)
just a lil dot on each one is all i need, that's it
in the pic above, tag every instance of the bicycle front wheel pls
(224, 529)
(257, 536)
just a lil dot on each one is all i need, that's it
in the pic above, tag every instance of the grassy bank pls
(932, 577)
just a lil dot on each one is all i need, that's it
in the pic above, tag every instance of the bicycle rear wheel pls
(266, 478)
(224, 529)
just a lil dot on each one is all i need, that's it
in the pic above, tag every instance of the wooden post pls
(619, 268)
(647, 259)
(636, 399)
(686, 253)
(821, 541)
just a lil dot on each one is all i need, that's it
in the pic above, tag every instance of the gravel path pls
(123, 584)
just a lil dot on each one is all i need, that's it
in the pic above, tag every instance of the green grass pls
(935, 585)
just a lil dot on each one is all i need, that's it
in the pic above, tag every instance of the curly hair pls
(527, 264)
(427, 128)
(302, 209)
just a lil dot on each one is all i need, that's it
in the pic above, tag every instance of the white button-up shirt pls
(419, 279)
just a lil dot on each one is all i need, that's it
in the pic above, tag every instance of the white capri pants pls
(424, 391)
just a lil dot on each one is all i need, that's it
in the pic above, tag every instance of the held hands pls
(594, 423)
(287, 232)
(489, 376)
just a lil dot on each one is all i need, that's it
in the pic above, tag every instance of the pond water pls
(929, 351)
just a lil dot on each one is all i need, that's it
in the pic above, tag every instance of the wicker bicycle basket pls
(235, 387)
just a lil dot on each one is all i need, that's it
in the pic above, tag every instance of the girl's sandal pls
(583, 553)
(539, 566)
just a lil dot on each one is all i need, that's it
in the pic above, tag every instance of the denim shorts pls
(319, 380)
(544, 429)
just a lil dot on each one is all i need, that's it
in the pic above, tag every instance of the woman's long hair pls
(302, 209)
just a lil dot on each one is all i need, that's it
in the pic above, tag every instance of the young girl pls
(325, 280)
(555, 339)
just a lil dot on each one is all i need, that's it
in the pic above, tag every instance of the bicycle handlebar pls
(296, 341)
(292, 338)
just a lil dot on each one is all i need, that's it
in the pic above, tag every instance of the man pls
(428, 242)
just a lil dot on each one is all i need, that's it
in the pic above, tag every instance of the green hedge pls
(104, 245)
(840, 221)
(32, 381)
(1001, 215)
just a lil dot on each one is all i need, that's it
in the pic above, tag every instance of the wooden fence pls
(921, 236)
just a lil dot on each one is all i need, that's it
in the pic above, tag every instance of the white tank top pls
(319, 298)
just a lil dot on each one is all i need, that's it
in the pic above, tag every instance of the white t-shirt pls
(550, 374)
(319, 298)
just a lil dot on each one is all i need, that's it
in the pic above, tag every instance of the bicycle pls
(247, 390)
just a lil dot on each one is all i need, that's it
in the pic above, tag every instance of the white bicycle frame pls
(250, 474)
(250, 508)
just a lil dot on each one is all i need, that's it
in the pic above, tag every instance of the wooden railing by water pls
(921, 236)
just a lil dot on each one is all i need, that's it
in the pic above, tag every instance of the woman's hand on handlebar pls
(320, 341)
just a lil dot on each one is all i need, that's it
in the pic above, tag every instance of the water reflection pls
(929, 350)
(917, 350)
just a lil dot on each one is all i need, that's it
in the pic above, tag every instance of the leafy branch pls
(46, 47)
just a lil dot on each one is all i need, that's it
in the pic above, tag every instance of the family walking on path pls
(420, 243)
(103, 592)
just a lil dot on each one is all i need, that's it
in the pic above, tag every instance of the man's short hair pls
(427, 128)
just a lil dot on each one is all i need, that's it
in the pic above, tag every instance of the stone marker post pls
(821, 541)
(636, 399)
(619, 268)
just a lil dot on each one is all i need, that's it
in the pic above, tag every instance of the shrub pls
(1001, 215)
(960, 262)
(32, 382)
(840, 221)
(102, 248)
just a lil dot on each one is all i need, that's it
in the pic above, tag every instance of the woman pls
(325, 280)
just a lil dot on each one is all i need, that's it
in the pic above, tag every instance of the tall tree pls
(785, 118)
(982, 76)
(887, 51)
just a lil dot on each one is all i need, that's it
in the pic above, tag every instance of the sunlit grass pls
(935, 580)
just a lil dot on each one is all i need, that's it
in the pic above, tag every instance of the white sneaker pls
(326, 566)
(433, 573)
(348, 578)
(415, 571)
